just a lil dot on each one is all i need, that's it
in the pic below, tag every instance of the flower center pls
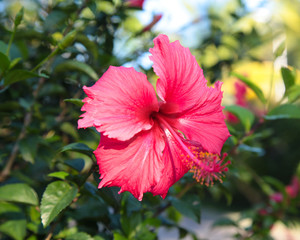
(207, 167)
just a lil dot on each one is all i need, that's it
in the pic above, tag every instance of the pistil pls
(207, 167)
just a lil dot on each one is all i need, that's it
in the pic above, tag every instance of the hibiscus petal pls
(119, 104)
(174, 167)
(134, 165)
(180, 75)
(205, 122)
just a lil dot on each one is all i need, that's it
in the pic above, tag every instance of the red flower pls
(240, 94)
(276, 197)
(135, 3)
(293, 189)
(156, 19)
(147, 145)
(240, 100)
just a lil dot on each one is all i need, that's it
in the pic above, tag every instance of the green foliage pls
(57, 196)
(286, 111)
(18, 192)
(14, 228)
(244, 115)
(48, 172)
(76, 66)
(252, 86)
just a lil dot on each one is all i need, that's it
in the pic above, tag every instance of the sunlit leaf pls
(61, 175)
(8, 207)
(293, 93)
(78, 147)
(75, 101)
(14, 228)
(80, 236)
(71, 65)
(286, 111)
(288, 78)
(69, 128)
(244, 115)
(251, 85)
(18, 192)
(280, 49)
(118, 236)
(57, 196)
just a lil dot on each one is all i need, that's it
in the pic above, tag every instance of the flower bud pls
(19, 17)
(67, 40)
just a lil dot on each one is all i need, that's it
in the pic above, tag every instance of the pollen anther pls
(207, 167)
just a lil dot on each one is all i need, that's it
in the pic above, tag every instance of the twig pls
(27, 120)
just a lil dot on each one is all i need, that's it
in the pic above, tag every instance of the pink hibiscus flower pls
(156, 19)
(135, 3)
(240, 100)
(148, 144)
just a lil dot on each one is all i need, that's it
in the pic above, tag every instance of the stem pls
(271, 86)
(27, 120)
(53, 53)
(247, 134)
(11, 40)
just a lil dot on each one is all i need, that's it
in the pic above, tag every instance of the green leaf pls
(98, 238)
(61, 175)
(131, 223)
(17, 75)
(251, 85)
(224, 222)
(274, 182)
(118, 236)
(71, 65)
(90, 45)
(288, 78)
(14, 62)
(259, 151)
(75, 101)
(4, 62)
(8, 207)
(286, 111)
(57, 196)
(77, 164)
(3, 47)
(14, 228)
(18, 192)
(244, 115)
(28, 148)
(293, 93)
(67, 40)
(187, 209)
(79, 236)
(280, 49)
(69, 128)
(78, 147)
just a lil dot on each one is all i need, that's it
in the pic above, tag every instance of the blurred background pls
(48, 177)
